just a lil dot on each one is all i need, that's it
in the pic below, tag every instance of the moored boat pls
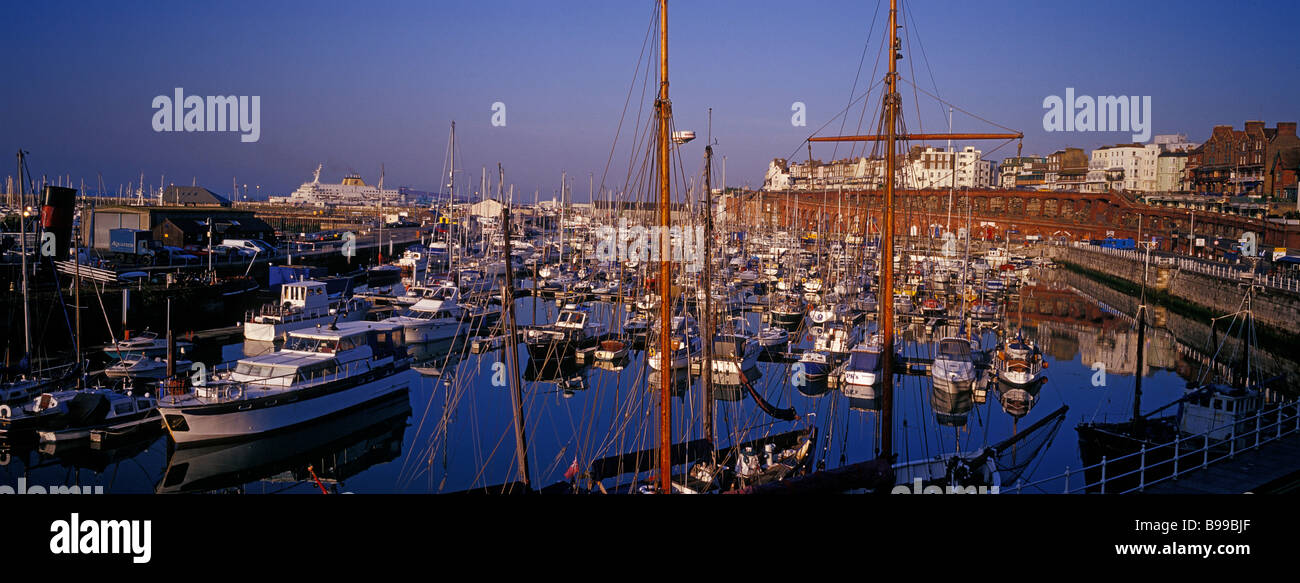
(317, 374)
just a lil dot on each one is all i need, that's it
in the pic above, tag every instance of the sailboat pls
(1209, 412)
(20, 383)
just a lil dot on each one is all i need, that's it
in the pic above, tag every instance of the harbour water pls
(453, 430)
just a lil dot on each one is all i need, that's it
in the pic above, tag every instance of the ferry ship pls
(353, 191)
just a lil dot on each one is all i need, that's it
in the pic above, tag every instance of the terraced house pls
(1254, 160)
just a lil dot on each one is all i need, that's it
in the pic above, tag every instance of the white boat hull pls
(420, 334)
(237, 424)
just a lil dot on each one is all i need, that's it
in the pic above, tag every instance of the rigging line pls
(907, 14)
(631, 86)
(510, 468)
(950, 104)
(866, 44)
(832, 119)
(911, 66)
(875, 69)
(640, 117)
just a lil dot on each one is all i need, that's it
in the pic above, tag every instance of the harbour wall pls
(1276, 309)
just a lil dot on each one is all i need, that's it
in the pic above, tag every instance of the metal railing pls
(1269, 425)
(1210, 268)
(224, 389)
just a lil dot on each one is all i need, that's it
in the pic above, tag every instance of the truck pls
(130, 241)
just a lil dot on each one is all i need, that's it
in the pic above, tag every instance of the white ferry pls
(353, 191)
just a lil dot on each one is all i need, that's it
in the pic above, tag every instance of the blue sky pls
(355, 85)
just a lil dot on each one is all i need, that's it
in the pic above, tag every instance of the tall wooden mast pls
(886, 292)
(706, 369)
(664, 108)
(885, 301)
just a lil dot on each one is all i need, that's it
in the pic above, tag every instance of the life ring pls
(5, 411)
(235, 392)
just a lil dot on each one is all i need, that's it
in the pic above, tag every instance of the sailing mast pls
(707, 368)
(886, 303)
(663, 107)
(22, 222)
(512, 356)
(1142, 329)
(887, 244)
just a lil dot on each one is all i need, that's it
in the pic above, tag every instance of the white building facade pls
(1138, 164)
(922, 168)
(944, 168)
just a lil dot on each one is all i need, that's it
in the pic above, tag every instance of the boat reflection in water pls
(1018, 401)
(951, 408)
(96, 457)
(335, 449)
(681, 380)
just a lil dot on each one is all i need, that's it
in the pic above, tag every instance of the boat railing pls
(341, 371)
(230, 390)
(1185, 454)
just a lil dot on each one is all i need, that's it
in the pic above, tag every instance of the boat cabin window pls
(263, 371)
(954, 349)
(571, 317)
(346, 344)
(122, 408)
(317, 370)
(327, 345)
(143, 405)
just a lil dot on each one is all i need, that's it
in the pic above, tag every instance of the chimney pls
(1254, 125)
(1286, 128)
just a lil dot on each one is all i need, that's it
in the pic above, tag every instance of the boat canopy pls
(864, 360)
(954, 349)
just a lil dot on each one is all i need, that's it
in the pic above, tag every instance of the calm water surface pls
(454, 431)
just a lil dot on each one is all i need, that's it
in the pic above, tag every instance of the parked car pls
(169, 255)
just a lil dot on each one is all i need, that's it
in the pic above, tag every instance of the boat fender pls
(5, 411)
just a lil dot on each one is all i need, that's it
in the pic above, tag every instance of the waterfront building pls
(922, 167)
(1245, 161)
(1127, 167)
(938, 168)
(1171, 171)
(1067, 170)
(1023, 172)
(1173, 143)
